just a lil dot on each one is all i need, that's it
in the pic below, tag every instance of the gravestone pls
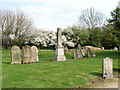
(27, 54)
(79, 54)
(66, 50)
(79, 47)
(94, 54)
(89, 52)
(34, 51)
(102, 48)
(59, 48)
(75, 55)
(115, 48)
(83, 52)
(15, 55)
(107, 67)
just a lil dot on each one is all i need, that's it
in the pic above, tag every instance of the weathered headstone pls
(80, 51)
(15, 55)
(107, 67)
(94, 54)
(34, 51)
(102, 48)
(89, 52)
(115, 48)
(59, 48)
(27, 54)
(75, 55)
(79, 54)
(83, 52)
(66, 50)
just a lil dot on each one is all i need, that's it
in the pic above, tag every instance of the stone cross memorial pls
(107, 67)
(34, 51)
(27, 54)
(15, 55)
(59, 48)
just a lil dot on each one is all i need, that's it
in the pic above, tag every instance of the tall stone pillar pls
(59, 48)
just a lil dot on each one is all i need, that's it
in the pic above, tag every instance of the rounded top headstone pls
(15, 47)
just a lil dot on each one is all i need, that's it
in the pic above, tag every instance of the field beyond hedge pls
(51, 74)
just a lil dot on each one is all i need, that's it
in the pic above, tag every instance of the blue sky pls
(51, 14)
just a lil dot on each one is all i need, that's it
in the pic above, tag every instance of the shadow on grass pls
(96, 74)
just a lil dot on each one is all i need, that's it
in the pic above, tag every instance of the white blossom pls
(48, 39)
(12, 36)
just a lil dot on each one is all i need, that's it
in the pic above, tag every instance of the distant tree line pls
(92, 29)
(18, 29)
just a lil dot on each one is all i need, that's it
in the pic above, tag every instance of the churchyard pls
(47, 73)
(77, 56)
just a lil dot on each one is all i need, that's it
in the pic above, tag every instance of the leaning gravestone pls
(34, 51)
(15, 55)
(59, 48)
(107, 67)
(27, 54)
(89, 52)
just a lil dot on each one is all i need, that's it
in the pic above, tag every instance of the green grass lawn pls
(51, 74)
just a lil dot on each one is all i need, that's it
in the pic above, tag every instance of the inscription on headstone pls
(107, 67)
(15, 55)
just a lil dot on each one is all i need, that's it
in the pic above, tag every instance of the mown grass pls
(51, 74)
